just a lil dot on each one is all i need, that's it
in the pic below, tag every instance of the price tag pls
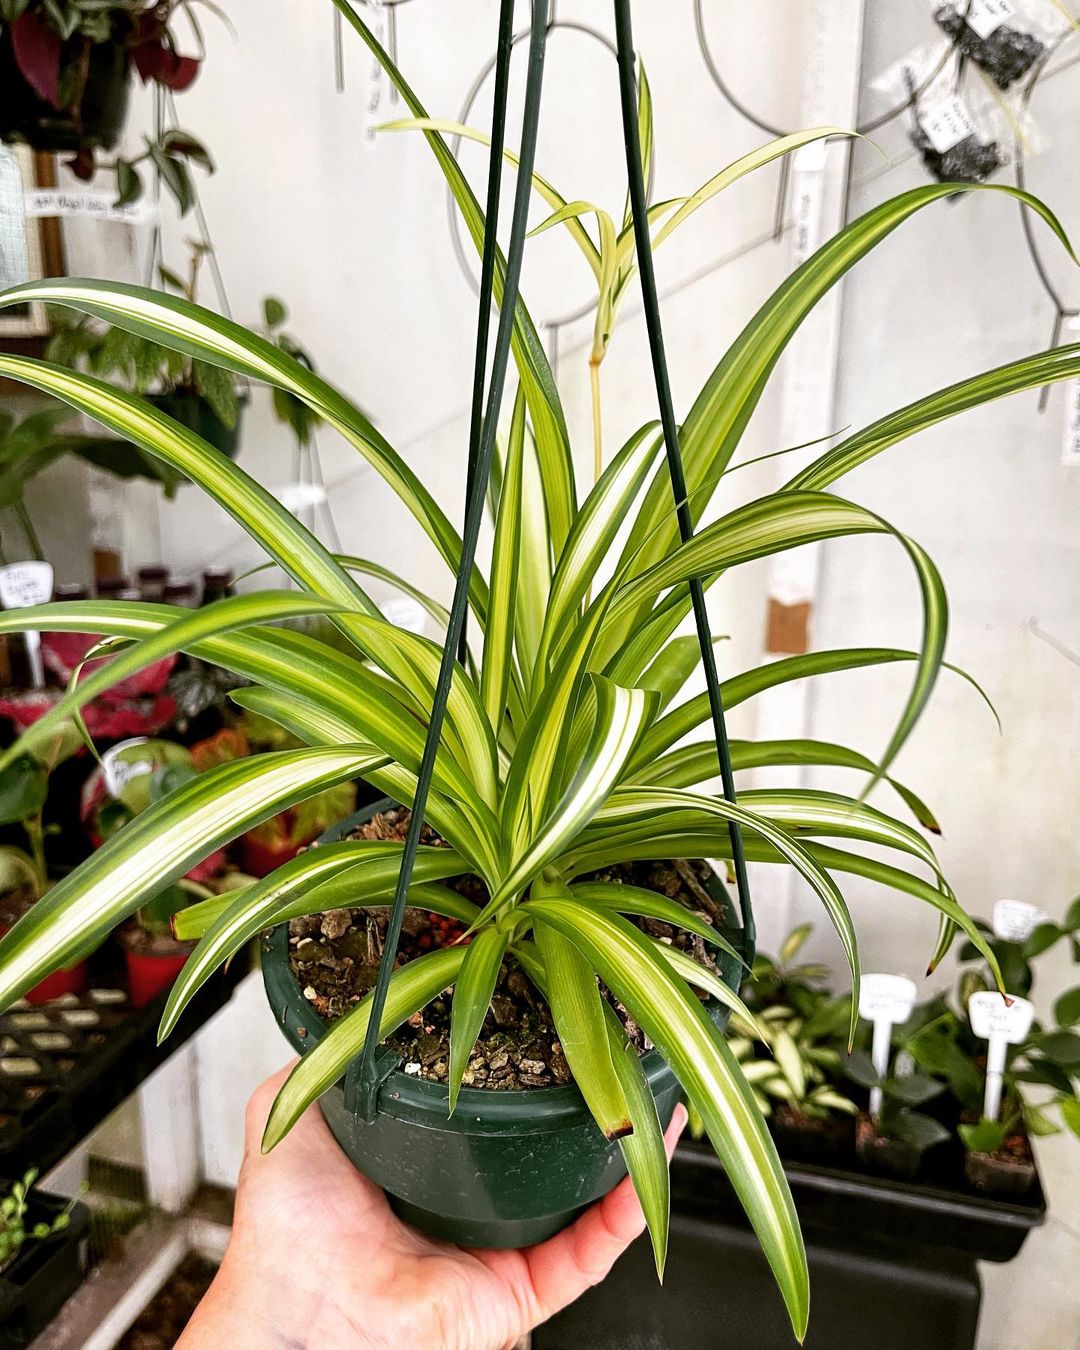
(87, 202)
(947, 123)
(119, 765)
(23, 584)
(986, 16)
(404, 612)
(884, 1000)
(1016, 920)
(1000, 1024)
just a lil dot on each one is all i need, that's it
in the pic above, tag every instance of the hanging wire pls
(1062, 310)
(639, 213)
(368, 1080)
(871, 124)
(487, 264)
(554, 24)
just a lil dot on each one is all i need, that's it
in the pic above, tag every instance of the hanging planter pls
(194, 411)
(93, 122)
(65, 75)
(509, 1167)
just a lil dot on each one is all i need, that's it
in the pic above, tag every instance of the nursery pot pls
(35, 1286)
(192, 411)
(508, 1168)
(66, 981)
(26, 117)
(149, 975)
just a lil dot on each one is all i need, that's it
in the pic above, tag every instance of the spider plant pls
(563, 746)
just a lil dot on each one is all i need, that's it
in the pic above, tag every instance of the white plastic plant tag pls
(1016, 920)
(120, 767)
(1000, 1024)
(404, 612)
(946, 123)
(884, 1000)
(808, 172)
(23, 584)
(986, 16)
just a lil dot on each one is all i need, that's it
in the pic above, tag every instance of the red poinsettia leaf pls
(36, 47)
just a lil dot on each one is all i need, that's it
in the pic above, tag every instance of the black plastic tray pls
(44, 1275)
(45, 1112)
(891, 1214)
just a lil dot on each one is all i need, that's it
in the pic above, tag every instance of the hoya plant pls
(568, 745)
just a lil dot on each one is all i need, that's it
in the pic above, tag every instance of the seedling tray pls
(44, 1274)
(838, 1204)
(66, 1064)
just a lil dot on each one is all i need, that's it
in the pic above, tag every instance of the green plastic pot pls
(507, 1169)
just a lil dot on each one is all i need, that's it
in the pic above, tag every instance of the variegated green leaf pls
(472, 998)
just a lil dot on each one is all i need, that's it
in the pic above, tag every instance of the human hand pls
(317, 1258)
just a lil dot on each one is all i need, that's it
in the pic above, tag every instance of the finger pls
(580, 1256)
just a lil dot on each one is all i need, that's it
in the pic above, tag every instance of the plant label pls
(23, 584)
(119, 767)
(884, 1000)
(947, 123)
(986, 16)
(808, 170)
(88, 202)
(1016, 920)
(404, 612)
(1000, 1024)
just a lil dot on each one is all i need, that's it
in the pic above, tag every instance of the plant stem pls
(597, 432)
(28, 529)
(36, 835)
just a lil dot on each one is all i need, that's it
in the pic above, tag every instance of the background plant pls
(561, 756)
(14, 1234)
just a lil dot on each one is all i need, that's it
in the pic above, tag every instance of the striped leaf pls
(156, 849)
(410, 988)
(627, 899)
(353, 872)
(701, 977)
(578, 1011)
(674, 1020)
(472, 998)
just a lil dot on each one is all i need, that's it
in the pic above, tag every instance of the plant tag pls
(119, 768)
(887, 998)
(88, 202)
(808, 166)
(404, 612)
(992, 1018)
(1016, 920)
(23, 584)
(884, 1000)
(986, 16)
(1000, 1024)
(1070, 426)
(947, 123)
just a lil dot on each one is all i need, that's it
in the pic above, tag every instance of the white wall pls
(355, 241)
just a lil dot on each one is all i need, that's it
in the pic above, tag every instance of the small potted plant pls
(41, 1239)
(65, 72)
(894, 1140)
(562, 758)
(24, 872)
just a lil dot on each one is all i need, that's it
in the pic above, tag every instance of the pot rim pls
(412, 1095)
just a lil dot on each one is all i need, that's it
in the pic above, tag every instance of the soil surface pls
(133, 937)
(14, 904)
(335, 957)
(161, 1323)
